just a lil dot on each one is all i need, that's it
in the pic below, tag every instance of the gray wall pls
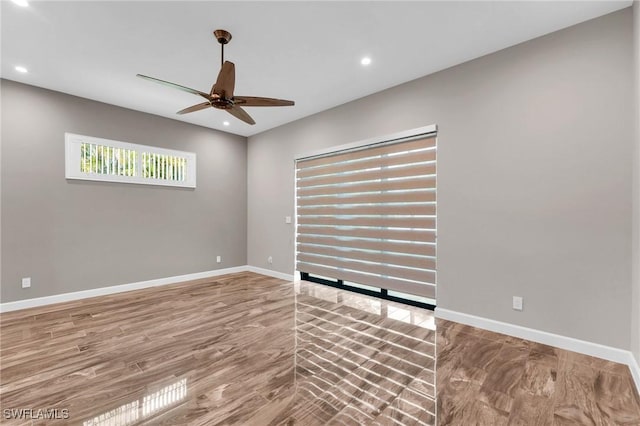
(635, 300)
(76, 235)
(534, 178)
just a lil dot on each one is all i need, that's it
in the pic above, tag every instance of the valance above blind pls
(368, 216)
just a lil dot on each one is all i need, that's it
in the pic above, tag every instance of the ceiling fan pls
(221, 95)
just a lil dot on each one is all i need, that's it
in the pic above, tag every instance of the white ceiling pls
(305, 51)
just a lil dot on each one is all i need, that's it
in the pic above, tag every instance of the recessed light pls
(21, 69)
(226, 123)
(365, 61)
(21, 3)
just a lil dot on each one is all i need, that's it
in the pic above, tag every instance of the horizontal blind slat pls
(388, 258)
(368, 152)
(376, 162)
(375, 233)
(420, 275)
(418, 289)
(390, 246)
(426, 182)
(391, 173)
(391, 222)
(383, 197)
(389, 209)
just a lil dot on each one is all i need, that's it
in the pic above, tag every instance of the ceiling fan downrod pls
(223, 37)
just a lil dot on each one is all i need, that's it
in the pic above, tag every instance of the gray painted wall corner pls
(521, 211)
(635, 299)
(70, 235)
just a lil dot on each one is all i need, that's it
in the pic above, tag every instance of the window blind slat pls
(367, 152)
(427, 182)
(353, 254)
(387, 209)
(381, 245)
(369, 216)
(420, 275)
(390, 222)
(375, 233)
(419, 289)
(377, 198)
(388, 173)
(376, 162)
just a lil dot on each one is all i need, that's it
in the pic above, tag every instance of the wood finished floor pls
(486, 378)
(252, 350)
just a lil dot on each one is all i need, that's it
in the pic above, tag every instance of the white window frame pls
(73, 143)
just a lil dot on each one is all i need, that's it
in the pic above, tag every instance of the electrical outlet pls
(270, 260)
(517, 303)
(26, 282)
(219, 259)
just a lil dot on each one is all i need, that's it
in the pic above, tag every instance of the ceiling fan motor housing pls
(222, 103)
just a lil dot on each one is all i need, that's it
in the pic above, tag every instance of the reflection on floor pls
(361, 360)
(245, 349)
(137, 410)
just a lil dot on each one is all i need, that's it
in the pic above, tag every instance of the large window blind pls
(368, 216)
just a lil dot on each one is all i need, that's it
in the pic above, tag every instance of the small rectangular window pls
(162, 166)
(106, 160)
(90, 158)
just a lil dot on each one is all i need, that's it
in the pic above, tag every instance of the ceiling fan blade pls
(175, 86)
(226, 81)
(194, 108)
(238, 112)
(256, 101)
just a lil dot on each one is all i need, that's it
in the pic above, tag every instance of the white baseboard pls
(270, 273)
(563, 342)
(67, 297)
(635, 371)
